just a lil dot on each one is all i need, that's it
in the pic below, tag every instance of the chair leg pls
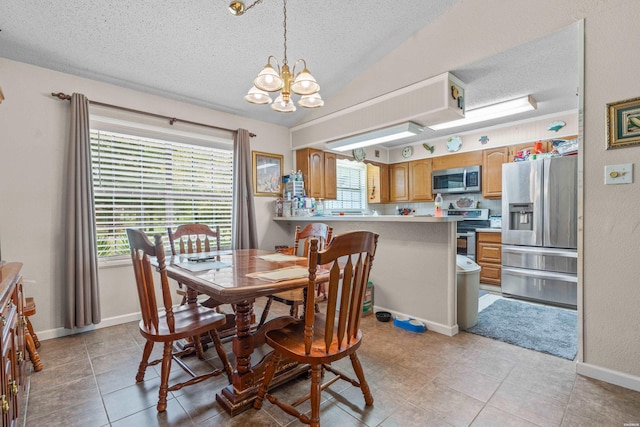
(316, 390)
(33, 353)
(222, 354)
(197, 343)
(36, 342)
(268, 376)
(265, 312)
(145, 361)
(357, 368)
(167, 354)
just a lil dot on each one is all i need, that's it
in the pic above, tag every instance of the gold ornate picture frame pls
(623, 123)
(267, 174)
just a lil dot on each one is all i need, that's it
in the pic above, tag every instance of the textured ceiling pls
(197, 52)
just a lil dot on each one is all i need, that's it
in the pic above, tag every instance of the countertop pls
(371, 218)
(489, 230)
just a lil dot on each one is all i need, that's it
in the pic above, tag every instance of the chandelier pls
(281, 78)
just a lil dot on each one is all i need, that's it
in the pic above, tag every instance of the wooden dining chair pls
(295, 298)
(192, 238)
(169, 325)
(322, 338)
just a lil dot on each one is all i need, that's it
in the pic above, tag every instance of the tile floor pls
(417, 380)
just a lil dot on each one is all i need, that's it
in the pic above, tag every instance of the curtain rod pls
(172, 120)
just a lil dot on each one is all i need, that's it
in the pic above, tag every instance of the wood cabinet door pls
(330, 188)
(399, 182)
(384, 183)
(420, 180)
(490, 252)
(490, 273)
(492, 161)
(452, 161)
(315, 186)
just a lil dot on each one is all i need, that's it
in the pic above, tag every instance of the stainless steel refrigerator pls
(540, 229)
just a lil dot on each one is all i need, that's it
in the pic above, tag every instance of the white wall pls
(473, 30)
(33, 152)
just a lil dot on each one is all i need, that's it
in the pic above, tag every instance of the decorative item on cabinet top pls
(428, 147)
(359, 154)
(407, 152)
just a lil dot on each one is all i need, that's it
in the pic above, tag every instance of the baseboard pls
(105, 323)
(608, 375)
(432, 326)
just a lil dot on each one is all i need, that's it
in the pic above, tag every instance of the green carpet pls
(546, 329)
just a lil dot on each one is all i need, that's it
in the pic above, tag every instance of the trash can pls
(468, 276)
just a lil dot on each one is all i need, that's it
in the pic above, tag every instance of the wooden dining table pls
(238, 277)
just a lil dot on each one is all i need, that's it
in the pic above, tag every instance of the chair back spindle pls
(141, 251)
(355, 251)
(193, 238)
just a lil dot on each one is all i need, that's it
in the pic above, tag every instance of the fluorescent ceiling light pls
(378, 136)
(494, 111)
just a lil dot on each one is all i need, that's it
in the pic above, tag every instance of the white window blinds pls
(351, 188)
(154, 184)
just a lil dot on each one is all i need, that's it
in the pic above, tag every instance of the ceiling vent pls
(432, 101)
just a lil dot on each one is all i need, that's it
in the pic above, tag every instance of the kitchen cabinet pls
(420, 180)
(410, 181)
(377, 182)
(492, 160)
(399, 182)
(452, 161)
(330, 188)
(318, 172)
(489, 256)
(12, 343)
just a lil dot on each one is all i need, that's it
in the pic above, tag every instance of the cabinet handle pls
(20, 357)
(13, 388)
(5, 404)
(3, 319)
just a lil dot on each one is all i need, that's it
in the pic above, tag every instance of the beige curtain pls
(243, 225)
(81, 255)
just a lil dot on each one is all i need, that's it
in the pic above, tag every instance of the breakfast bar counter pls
(414, 270)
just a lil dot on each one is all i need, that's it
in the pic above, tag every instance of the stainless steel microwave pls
(459, 180)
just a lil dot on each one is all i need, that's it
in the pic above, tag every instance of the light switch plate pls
(618, 174)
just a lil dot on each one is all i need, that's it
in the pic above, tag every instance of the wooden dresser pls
(12, 343)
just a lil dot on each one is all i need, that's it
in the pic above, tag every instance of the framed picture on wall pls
(267, 174)
(623, 123)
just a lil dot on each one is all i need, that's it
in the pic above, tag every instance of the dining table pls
(238, 277)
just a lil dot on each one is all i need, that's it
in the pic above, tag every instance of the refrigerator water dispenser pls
(521, 216)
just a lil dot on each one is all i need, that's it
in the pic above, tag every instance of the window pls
(351, 178)
(154, 184)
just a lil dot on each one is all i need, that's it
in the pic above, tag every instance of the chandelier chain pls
(255, 3)
(284, 61)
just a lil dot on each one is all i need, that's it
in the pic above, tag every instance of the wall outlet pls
(618, 174)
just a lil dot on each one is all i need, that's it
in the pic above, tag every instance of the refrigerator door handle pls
(464, 179)
(539, 274)
(539, 251)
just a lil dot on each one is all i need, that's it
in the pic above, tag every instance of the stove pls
(466, 229)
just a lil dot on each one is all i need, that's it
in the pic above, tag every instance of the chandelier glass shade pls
(280, 78)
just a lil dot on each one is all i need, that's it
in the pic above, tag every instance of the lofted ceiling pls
(197, 52)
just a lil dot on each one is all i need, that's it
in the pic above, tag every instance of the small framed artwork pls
(623, 123)
(267, 174)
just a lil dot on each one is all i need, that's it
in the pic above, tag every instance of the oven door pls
(466, 244)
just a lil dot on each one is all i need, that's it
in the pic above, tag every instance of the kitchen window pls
(351, 178)
(153, 184)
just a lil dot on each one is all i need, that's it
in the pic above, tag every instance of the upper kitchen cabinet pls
(318, 172)
(420, 180)
(377, 182)
(399, 182)
(410, 181)
(460, 160)
(330, 171)
(492, 160)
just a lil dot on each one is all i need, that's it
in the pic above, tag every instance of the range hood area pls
(432, 101)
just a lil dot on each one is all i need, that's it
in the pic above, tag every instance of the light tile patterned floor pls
(417, 380)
